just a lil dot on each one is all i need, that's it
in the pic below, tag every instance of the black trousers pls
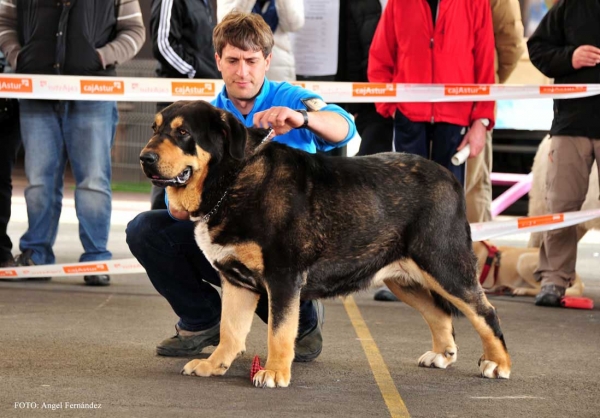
(9, 145)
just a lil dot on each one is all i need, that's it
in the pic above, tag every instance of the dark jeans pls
(166, 248)
(9, 145)
(437, 141)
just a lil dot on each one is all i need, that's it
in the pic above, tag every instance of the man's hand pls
(475, 137)
(586, 56)
(182, 215)
(281, 119)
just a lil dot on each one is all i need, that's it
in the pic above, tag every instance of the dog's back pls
(318, 210)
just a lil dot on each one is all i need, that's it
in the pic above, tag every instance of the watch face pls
(314, 104)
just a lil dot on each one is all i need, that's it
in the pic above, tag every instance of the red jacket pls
(406, 48)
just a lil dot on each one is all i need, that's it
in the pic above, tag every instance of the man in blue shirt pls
(163, 241)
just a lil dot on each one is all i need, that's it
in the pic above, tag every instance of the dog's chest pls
(212, 252)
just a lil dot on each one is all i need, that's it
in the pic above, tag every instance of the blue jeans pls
(177, 268)
(54, 132)
(436, 142)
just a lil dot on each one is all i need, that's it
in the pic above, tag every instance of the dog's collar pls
(493, 258)
(215, 208)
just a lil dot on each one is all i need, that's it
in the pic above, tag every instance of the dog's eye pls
(182, 132)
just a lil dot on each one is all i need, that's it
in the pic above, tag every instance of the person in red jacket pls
(436, 42)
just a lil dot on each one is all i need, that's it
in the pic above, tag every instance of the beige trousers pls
(478, 185)
(567, 179)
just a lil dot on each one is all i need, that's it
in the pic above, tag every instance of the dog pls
(292, 225)
(537, 194)
(511, 269)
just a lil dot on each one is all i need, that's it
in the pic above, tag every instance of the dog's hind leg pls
(238, 306)
(284, 314)
(495, 362)
(444, 350)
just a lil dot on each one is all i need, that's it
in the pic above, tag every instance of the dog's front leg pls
(284, 314)
(238, 306)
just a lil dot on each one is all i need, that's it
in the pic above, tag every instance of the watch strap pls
(305, 115)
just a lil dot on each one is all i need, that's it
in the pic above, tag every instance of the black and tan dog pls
(294, 225)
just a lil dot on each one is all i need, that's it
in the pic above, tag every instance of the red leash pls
(493, 258)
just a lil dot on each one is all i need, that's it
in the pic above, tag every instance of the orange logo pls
(297, 83)
(16, 85)
(373, 89)
(540, 220)
(102, 87)
(190, 88)
(8, 273)
(86, 268)
(466, 90)
(562, 89)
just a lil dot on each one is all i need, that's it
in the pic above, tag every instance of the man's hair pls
(246, 31)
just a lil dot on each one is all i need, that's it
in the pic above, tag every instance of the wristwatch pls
(305, 114)
(484, 121)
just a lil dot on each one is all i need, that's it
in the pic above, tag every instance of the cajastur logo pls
(298, 83)
(554, 218)
(16, 85)
(8, 273)
(102, 87)
(466, 90)
(373, 89)
(190, 88)
(86, 268)
(562, 89)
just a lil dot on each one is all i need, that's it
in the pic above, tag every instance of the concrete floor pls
(64, 342)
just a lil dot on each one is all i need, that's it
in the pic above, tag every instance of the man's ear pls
(236, 135)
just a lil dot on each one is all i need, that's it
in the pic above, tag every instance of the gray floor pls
(64, 342)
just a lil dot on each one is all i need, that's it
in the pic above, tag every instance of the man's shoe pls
(8, 263)
(97, 280)
(185, 346)
(550, 295)
(384, 294)
(24, 260)
(310, 343)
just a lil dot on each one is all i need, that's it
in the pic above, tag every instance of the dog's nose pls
(149, 158)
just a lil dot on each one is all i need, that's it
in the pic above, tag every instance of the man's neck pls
(244, 106)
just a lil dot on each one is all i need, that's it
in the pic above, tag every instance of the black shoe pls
(310, 343)
(24, 260)
(97, 280)
(185, 346)
(550, 295)
(8, 263)
(385, 295)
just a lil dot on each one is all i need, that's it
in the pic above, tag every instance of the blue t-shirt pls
(288, 95)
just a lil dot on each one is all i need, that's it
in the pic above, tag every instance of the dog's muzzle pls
(149, 161)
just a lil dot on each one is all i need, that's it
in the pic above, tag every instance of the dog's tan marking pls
(189, 197)
(238, 306)
(250, 254)
(158, 119)
(278, 368)
(176, 122)
(405, 272)
(444, 350)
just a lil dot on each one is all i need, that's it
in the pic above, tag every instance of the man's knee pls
(139, 230)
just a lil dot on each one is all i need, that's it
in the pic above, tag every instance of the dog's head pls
(188, 136)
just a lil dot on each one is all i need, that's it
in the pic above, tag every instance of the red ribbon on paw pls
(255, 368)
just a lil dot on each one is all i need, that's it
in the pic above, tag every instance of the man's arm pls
(548, 49)
(329, 125)
(131, 35)
(166, 27)
(508, 35)
(290, 14)
(9, 40)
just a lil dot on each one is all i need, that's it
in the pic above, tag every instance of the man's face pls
(243, 71)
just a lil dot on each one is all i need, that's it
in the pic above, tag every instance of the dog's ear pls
(236, 135)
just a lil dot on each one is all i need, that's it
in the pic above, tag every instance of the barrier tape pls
(479, 232)
(144, 89)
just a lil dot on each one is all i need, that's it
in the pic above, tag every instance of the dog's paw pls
(520, 291)
(490, 370)
(438, 360)
(204, 368)
(271, 379)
